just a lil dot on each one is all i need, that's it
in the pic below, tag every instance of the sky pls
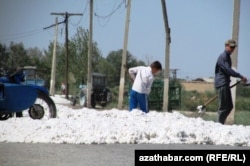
(90, 126)
(199, 29)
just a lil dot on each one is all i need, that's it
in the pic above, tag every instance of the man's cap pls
(231, 43)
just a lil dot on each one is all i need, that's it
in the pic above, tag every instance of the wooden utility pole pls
(89, 80)
(234, 56)
(167, 52)
(66, 56)
(66, 15)
(124, 57)
(53, 68)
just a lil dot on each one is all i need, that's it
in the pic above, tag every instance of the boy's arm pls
(149, 85)
(132, 73)
(128, 74)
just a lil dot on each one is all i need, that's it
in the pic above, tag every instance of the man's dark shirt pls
(223, 70)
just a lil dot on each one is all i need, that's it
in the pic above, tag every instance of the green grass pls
(241, 117)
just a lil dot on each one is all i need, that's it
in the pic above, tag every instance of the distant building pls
(209, 79)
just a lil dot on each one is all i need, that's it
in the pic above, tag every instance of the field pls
(241, 117)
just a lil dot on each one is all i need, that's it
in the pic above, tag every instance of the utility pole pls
(174, 72)
(53, 68)
(235, 36)
(124, 57)
(89, 80)
(166, 71)
(66, 15)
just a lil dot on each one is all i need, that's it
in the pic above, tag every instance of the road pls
(23, 154)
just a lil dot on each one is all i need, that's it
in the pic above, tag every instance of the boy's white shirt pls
(143, 79)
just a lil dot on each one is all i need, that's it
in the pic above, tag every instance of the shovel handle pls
(215, 97)
(209, 101)
(235, 84)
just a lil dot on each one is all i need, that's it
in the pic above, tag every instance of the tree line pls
(16, 55)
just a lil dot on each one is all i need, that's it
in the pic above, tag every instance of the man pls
(142, 78)
(223, 71)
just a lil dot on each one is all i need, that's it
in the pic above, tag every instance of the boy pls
(142, 78)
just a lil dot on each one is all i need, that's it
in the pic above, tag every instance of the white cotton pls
(90, 126)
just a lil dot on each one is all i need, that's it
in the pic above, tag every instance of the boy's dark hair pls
(156, 65)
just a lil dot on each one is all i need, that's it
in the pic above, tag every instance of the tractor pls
(100, 94)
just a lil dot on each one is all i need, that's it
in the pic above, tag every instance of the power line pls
(54, 25)
(108, 17)
(20, 35)
(112, 12)
(80, 20)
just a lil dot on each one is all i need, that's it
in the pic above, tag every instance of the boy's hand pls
(132, 81)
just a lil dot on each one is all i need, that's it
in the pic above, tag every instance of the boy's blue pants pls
(138, 99)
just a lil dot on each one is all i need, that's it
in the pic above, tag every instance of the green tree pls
(79, 56)
(35, 56)
(13, 56)
(115, 59)
(4, 56)
(17, 55)
(105, 67)
(60, 63)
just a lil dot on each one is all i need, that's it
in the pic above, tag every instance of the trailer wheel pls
(45, 105)
(4, 116)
